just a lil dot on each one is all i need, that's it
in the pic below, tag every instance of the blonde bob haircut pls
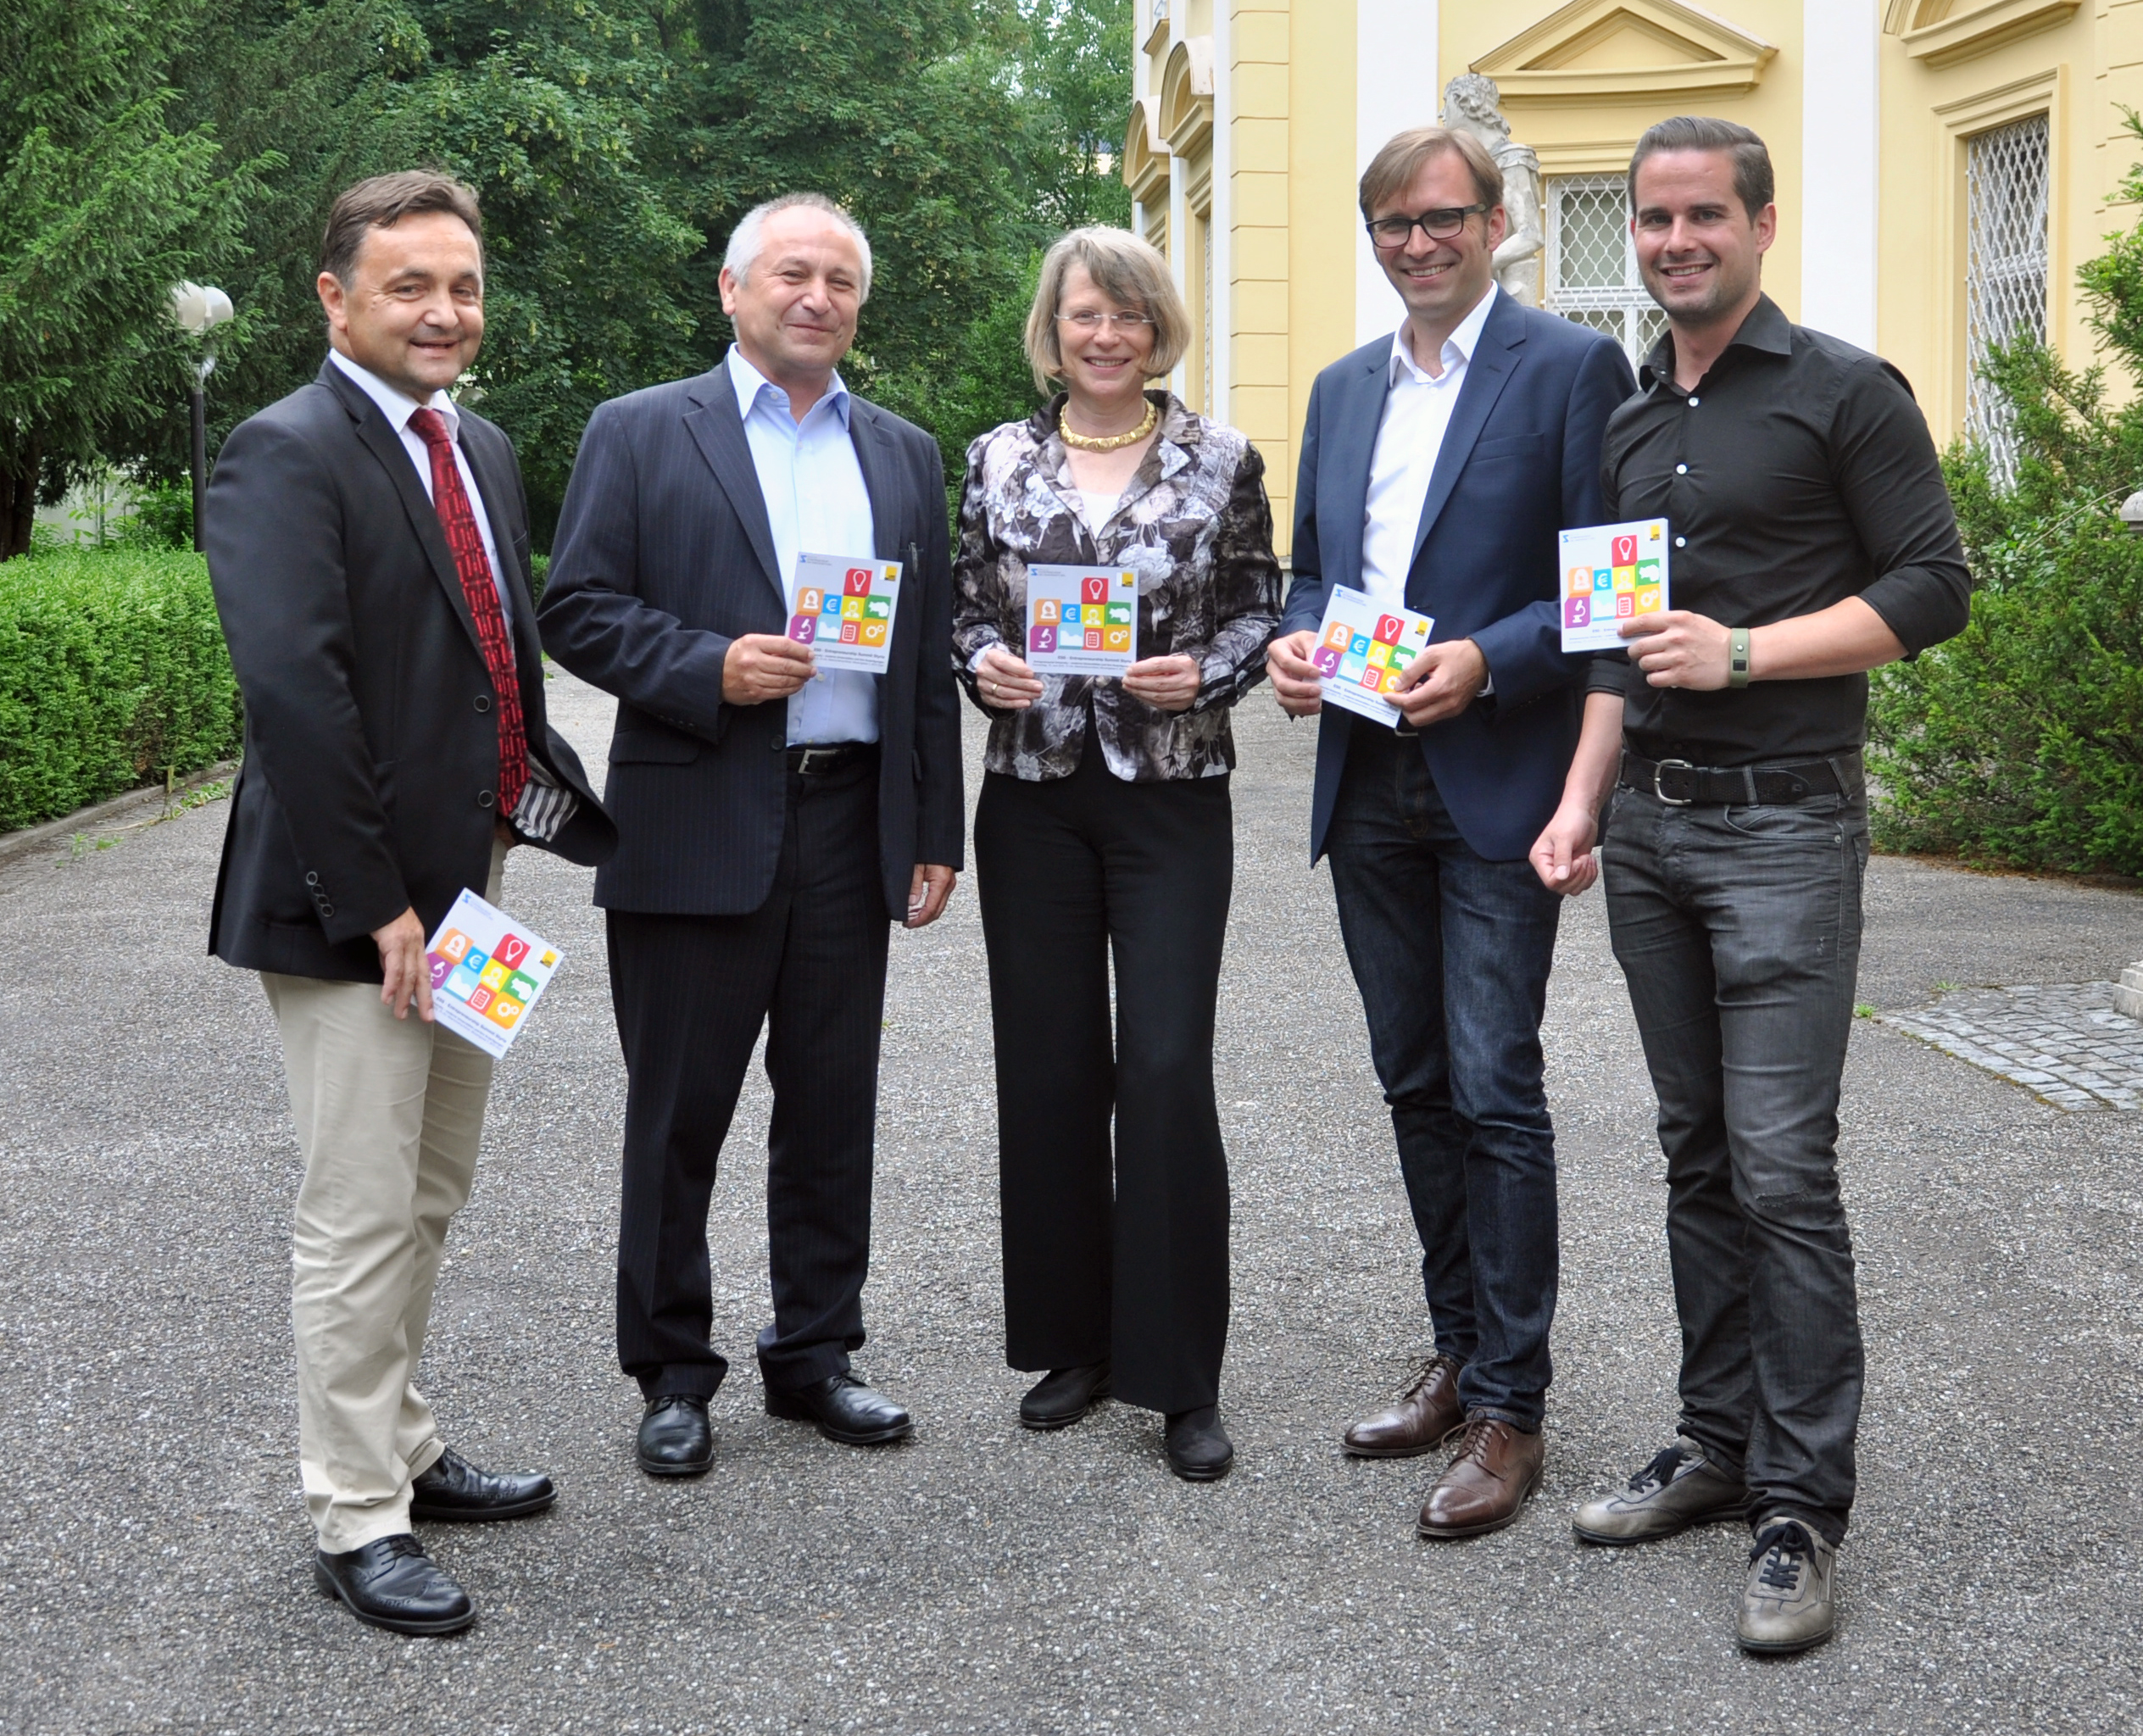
(1127, 269)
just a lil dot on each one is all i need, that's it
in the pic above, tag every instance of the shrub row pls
(112, 668)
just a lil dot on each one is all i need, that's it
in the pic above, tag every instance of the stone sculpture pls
(1472, 103)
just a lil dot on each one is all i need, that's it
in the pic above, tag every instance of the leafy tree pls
(103, 207)
(1073, 69)
(2020, 741)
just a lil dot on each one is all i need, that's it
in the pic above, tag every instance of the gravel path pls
(153, 1550)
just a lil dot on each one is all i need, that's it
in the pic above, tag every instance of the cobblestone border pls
(2065, 1042)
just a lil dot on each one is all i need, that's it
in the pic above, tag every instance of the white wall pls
(1839, 149)
(1397, 85)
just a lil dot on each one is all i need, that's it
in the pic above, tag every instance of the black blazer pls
(371, 748)
(664, 555)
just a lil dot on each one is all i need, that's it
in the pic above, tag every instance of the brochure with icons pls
(486, 971)
(1081, 620)
(1363, 650)
(1610, 574)
(842, 606)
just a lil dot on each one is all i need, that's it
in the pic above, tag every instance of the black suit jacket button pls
(484, 798)
(483, 701)
(312, 880)
(327, 910)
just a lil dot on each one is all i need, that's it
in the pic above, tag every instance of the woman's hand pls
(1007, 684)
(1166, 683)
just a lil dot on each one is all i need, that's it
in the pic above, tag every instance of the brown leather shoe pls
(1424, 1418)
(1486, 1487)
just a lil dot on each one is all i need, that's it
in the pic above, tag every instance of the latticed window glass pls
(2005, 272)
(1592, 264)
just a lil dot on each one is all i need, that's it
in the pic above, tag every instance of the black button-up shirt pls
(1799, 472)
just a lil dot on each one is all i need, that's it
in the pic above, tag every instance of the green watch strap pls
(1737, 657)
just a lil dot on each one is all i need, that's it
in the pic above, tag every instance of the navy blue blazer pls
(1519, 461)
(664, 554)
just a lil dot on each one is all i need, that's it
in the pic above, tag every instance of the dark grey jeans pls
(1739, 930)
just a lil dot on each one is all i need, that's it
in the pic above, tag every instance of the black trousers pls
(691, 993)
(1130, 1269)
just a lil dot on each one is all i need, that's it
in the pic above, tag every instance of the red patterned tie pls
(459, 520)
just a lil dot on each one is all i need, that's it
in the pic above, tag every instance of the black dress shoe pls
(845, 1410)
(453, 1488)
(676, 1438)
(390, 1582)
(1199, 1449)
(1063, 1395)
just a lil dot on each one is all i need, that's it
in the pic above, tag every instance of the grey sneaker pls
(1792, 1600)
(1678, 1489)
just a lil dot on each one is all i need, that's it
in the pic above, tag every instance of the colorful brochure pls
(842, 606)
(486, 971)
(1362, 651)
(1609, 573)
(1081, 620)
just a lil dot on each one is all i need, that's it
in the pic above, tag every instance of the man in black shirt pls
(1812, 541)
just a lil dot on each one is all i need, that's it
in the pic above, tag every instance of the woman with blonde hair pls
(1104, 828)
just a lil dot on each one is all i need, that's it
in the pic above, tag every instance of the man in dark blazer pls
(774, 818)
(368, 541)
(1437, 466)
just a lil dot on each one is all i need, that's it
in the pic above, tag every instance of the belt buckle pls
(815, 760)
(1661, 769)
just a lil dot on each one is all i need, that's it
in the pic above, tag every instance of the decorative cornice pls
(1935, 32)
(1689, 52)
(1146, 152)
(1187, 96)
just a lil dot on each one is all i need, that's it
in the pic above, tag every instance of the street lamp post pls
(200, 308)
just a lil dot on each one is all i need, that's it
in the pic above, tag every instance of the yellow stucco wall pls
(1596, 136)
(1946, 69)
(2076, 74)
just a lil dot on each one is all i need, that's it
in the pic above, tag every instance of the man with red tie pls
(368, 541)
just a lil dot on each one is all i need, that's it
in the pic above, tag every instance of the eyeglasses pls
(1391, 233)
(1089, 321)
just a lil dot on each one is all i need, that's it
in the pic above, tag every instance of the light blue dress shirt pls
(816, 502)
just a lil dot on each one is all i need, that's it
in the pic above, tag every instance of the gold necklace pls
(1109, 443)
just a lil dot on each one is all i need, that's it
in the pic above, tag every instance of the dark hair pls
(1391, 170)
(384, 200)
(1703, 132)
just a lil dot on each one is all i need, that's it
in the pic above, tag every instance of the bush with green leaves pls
(2020, 741)
(112, 669)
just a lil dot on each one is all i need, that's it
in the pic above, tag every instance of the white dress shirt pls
(545, 805)
(398, 407)
(816, 503)
(1417, 411)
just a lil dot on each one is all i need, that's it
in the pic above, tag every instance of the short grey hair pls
(744, 240)
(1127, 269)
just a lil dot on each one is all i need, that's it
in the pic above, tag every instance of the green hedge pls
(112, 667)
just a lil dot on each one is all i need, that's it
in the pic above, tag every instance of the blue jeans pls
(1739, 930)
(1451, 954)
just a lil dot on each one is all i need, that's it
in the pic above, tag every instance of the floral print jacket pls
(1194, 525)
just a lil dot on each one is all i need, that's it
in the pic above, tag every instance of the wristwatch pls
(1737, 657)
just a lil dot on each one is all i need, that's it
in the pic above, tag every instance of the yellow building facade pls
(1943, 167)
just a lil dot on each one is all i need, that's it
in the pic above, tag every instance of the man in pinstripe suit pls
(774, 820)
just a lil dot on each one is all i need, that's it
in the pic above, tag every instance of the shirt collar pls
(1458, 349)
(396, 404)
(749, 384)
(1764, 328)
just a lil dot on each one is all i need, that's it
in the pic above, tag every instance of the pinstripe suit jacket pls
(664, 554)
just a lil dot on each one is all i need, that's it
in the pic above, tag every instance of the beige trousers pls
(389, 1116)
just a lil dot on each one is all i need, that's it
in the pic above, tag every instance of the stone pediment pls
(1145, 153)
(1943, 32)
(1186, 119)
(1594, 51)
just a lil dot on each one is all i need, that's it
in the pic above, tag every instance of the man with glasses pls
(1814, 541)
(1438, 465)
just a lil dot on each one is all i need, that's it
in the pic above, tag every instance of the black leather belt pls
(837, 756)
(1680, 784)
